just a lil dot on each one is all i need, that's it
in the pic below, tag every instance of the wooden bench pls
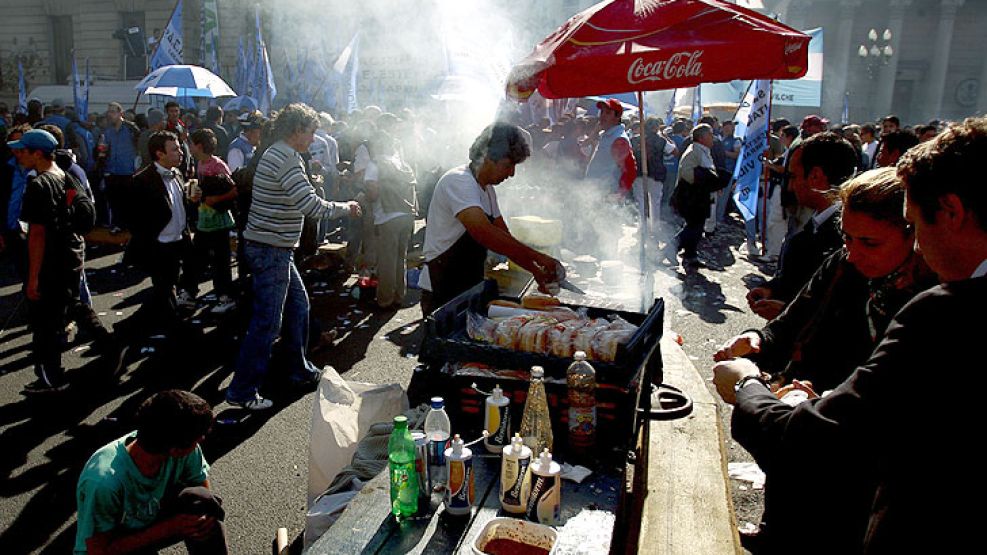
(688, 509)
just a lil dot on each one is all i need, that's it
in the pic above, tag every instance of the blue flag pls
(697, 105)
(21, 90)
(76, 99)
(845, 118)
(264, 89)
(170, 47)
(350, 58)
(755, 111)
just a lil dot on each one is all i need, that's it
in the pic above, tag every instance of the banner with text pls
(755, 110)
(170, 47)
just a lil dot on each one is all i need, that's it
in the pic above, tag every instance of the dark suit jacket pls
(901, 422)
(801, 256)
(151, 213)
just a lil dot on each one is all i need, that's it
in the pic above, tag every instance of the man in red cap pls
(612, 165)
(813, 124)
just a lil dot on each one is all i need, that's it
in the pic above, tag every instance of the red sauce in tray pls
(504, 546)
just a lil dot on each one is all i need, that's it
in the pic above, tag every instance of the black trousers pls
(212, 248)
(118, 191)
(59, 303)
(160, 311)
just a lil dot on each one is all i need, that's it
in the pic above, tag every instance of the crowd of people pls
(817, 389)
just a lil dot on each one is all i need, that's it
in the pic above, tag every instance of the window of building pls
(133, 47)
(62, 45)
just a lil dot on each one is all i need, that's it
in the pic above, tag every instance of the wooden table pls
(686, 509)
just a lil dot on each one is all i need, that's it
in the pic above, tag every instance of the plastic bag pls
(481, 328)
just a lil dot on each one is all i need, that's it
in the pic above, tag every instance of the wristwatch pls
(746, 380)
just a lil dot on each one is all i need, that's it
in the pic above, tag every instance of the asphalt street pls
(259, 463)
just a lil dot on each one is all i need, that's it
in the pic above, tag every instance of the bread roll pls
(539, 302)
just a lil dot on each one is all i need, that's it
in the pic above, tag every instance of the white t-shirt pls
(373, 174)
(456, 191)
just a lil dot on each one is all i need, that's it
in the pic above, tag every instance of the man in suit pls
(160, 242)
(822, 163)
(884, 420)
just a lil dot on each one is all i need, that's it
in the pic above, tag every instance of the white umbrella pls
(184, 81)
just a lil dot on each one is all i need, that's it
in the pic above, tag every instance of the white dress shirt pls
(176, 199)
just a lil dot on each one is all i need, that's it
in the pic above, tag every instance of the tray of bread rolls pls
(481, 326)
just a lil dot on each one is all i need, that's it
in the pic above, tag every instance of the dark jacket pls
(895, 423)
(832, 325)
(801, 256)
(149, 199)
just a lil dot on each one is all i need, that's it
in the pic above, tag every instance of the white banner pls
(170, 47)
(754, 115)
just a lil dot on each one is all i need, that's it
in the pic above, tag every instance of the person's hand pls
(726, 375)
(548, 273)
(739, 346)
(194, 527)
(355, 210)
(797, 385)
(32, 290)
(757, 294)
(769, 309)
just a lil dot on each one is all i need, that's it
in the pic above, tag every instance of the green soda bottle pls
(404, 479)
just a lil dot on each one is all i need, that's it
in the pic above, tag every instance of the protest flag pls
(697, 105)
(755, 112)
(169, 50)
(209, 22)
(349, 57)
(21, 90)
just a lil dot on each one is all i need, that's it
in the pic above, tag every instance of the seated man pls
(823, 162)
(884, 422)
(150, 488)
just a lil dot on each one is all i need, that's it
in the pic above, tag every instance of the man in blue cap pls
(55, 260)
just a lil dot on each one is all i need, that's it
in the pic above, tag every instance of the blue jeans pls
(280, 306)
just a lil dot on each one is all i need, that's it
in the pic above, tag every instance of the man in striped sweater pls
(282, 198)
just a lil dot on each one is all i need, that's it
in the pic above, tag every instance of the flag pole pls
(643, 205)
(764, 197)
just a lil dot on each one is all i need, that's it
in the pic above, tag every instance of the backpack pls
(78, 214)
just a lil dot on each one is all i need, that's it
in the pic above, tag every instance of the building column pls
(837, 62)
(889, 73)
(940, 59)
(793, 14)
(982, 97)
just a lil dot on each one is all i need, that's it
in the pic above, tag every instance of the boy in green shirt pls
(150, 488)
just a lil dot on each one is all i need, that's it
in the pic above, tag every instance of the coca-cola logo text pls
(678, 66)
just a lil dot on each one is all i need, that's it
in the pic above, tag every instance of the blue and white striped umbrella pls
(184, 81)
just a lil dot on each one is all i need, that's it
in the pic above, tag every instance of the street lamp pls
(876, 53)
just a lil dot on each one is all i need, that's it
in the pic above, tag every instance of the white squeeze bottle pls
(437, 432)
(497, 420)
(515, 480)
(545, 498)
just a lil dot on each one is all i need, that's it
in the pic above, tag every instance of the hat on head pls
(611, 104)
(814, 121)
(248, 122)
(35, 139)
(57, 103)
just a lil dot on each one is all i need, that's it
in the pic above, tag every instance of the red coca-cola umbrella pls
(645, 45)
(621, 46)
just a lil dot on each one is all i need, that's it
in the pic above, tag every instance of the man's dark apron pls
(456, 270)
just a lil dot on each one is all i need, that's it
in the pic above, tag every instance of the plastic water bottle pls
(581, 382)
(437, 432)
(404, 478)
(536, 427)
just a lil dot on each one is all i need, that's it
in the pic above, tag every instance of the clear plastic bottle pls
(581, 387)
(437, 432)
(536, 426)
(404, 479)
